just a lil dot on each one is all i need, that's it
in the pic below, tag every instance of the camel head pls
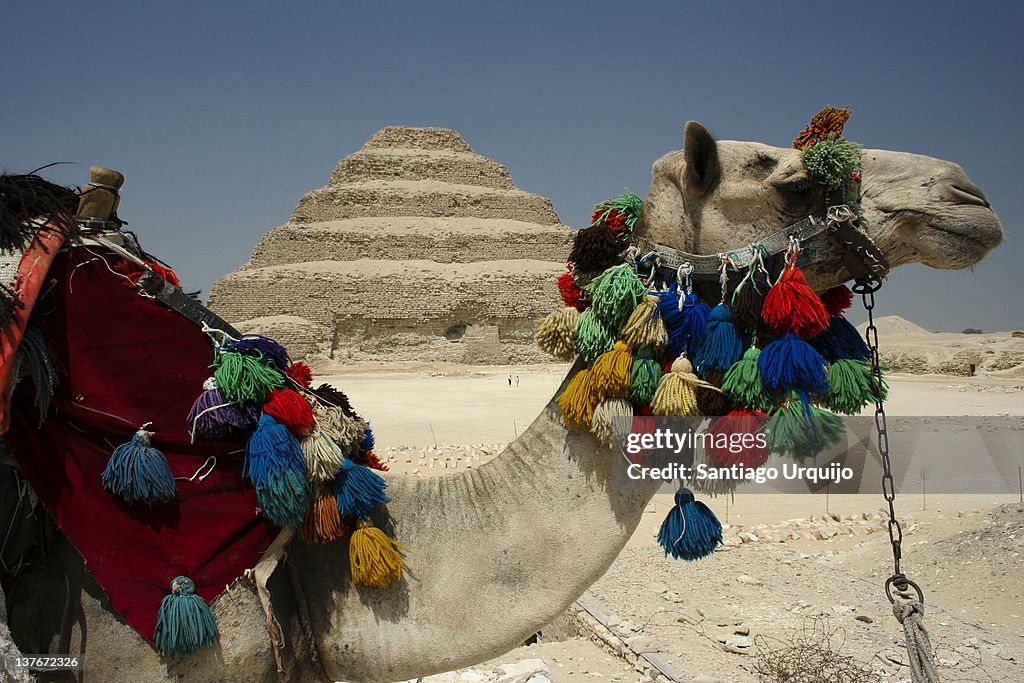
(714, 196)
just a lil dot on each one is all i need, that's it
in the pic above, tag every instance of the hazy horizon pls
(222, 118)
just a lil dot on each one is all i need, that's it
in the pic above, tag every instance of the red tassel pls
(837, 299)
(372, 461)
(301, 373)
(134, 272)
(732, 440)
(572, 295)
(792, 306)
(290, 409)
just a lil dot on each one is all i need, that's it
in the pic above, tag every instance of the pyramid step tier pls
(422, 198)
(439, 166)
(444, 240)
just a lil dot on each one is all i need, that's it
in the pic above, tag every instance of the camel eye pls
(797, 187)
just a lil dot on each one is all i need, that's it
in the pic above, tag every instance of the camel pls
(499, 551)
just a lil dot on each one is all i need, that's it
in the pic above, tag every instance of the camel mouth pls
(956, 240)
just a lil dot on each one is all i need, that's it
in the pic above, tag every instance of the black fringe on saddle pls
(335, 398)
(24, 197)
(35, 352)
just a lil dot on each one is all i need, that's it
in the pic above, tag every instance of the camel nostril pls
(966, 193)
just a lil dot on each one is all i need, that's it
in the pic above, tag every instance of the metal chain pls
(867, 288)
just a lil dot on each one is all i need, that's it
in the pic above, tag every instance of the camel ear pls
(701, 154)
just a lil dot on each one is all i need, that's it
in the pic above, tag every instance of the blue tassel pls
(184, 623)
(721, 346)
(695, 319)
(672, 315)
(137, 471)
(792, 363)
(841, 340)
(358, 489)
(275, 464)
(691, 530)
(368, 442)
(258, 345)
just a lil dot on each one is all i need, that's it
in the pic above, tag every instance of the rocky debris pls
(816, 528)
(437, 460)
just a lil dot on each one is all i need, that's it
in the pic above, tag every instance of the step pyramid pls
(417, 249)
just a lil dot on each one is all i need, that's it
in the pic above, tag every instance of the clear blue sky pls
(223, 114)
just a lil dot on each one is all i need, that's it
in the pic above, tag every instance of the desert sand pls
(791, 564)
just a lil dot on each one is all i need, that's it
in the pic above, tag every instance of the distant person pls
(510, 380)
(517, 380)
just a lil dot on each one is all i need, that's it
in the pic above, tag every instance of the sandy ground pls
(810, 559)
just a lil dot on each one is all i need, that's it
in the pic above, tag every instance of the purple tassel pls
(257, 344)
(213, 416)
(791, 363)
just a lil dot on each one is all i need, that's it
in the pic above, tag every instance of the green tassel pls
(743, 383)
(851, 386)
(644, 377)
(592, 336)
(627, 204)
(614, 294)
(244, 378)
(832, 160)
(800, 430)
(184, 623)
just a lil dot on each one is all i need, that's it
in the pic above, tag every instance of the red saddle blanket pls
(125, 360)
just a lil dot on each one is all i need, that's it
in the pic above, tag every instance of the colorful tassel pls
(596, 249)
(243, 378)
(722, 485)
(711, 400)
(610, 372)
(721, 450)
(333, 397)
(373, 557)
(620, 214)
(671, 312)
(213, 416)
(292, 410)
(747, 303)
(851, 387)
(792, 306)
(792, 363)
(346, 431)
(184, 623)
(358, 490)
(841, 340)
(323, 456)
(556, 333)
(373, 462)
(743, 383)
(368, 441)
(263, 348)
(592, 336)
(677, 392)
(644, 377)
(613, 418)
(276, 465)
(572, 295)
(301, 374)
(137, 471)
(721, 346)
(614, 294)
(578, 400)
(800, 430)
(323, 523)
(690, 531)
(694, 322)
(645, 327)
(837, 299)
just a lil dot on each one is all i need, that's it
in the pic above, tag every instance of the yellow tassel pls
(556, 333)
(373, 557)
(612, 418)
(323, 522)
(611, 372)
(677, 393)
(578, 400)
(645, 326)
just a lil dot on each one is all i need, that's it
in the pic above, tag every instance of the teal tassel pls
(358, 489)
(691, 530)
(184, 623)
(137, 471)
(721, 346)
(284, 498)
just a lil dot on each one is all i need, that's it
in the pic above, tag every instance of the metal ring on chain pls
(901, 583)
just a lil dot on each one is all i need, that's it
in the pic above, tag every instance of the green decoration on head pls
(832, 160)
